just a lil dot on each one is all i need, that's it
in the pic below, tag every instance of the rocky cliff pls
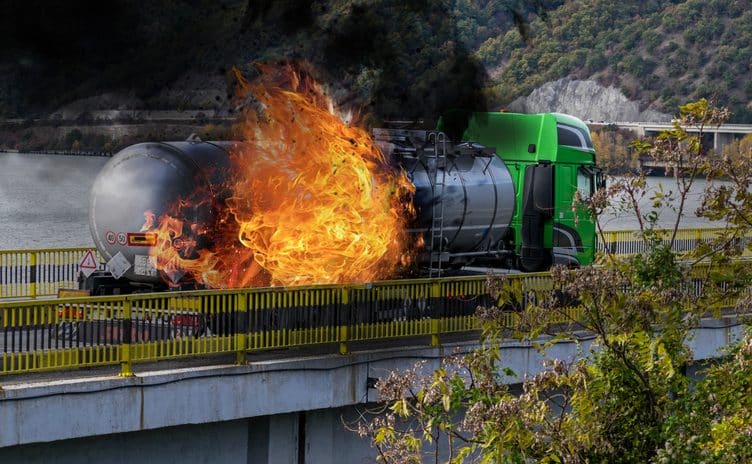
(587, 100)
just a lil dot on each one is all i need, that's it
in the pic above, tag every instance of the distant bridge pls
(719, 135)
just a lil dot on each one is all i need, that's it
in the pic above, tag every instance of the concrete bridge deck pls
(719, 135)
(271, 410)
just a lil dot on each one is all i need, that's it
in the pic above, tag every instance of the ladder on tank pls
(437, 216)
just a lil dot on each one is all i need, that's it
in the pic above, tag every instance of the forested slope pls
(391, 58)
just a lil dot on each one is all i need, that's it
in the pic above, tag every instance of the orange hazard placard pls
(141, 239)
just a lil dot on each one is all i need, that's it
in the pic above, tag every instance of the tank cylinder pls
(148, 179)
(474, 194)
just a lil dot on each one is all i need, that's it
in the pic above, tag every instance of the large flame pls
(311, 199)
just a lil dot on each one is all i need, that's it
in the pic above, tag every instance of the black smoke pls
(395, 59)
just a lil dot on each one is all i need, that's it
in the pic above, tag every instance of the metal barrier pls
(38, 335)
(35, 273)
(41, 273)
(65, 333)
(627, 242)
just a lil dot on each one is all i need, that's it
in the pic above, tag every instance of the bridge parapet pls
(60, 409)
(722, 135)
(130, 329)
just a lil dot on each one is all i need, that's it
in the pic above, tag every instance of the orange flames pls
(311, 199)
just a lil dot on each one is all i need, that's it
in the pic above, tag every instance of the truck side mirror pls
(600, 179)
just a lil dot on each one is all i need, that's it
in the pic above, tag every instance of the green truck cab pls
(552, 161)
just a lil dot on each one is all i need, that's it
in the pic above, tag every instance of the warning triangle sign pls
(88, 263)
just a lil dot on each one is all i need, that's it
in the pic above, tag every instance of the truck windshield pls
(573, 136)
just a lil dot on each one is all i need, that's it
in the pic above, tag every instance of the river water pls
(44, 201)
(617, 219)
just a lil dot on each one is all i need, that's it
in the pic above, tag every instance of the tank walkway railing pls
(59, 334)
(41, 273)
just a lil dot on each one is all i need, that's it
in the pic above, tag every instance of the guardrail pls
(627, 242)
(59, 152)
(41, 273)
(58, 334)
(93, 331)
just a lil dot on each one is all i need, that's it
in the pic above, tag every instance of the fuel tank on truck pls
(147, 179)
(476, 200)
(466, 191)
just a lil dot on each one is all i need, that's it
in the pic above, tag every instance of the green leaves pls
(400, 407)
(382, 434)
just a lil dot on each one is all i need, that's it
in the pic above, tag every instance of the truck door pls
(537, 211)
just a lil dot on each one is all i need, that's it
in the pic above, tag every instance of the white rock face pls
(587, 100)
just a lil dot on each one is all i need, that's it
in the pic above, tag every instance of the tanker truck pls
(492, 190)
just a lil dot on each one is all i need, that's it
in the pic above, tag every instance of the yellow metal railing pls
(41, 273)
(65, 333)
(627, 242)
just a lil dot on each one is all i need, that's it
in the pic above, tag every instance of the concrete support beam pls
(258, 440)
(204, 443)
(721, 139)
(274, 439)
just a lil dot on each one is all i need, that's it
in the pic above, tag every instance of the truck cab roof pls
(553, 137)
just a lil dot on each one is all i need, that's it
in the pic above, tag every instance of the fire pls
(311, 199)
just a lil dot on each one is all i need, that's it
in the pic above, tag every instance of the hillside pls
(659, 53)
(390, 59)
